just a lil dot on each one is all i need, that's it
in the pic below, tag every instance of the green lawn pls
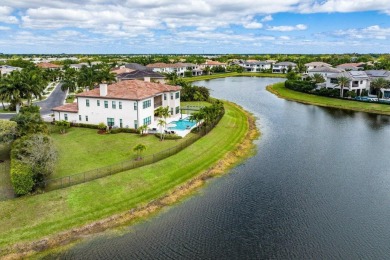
(289, 94)
(91, 150)
(34, 217)
(5, 182)
(234, 74)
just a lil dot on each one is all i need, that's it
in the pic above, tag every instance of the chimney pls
(147, 79)
(103, 90)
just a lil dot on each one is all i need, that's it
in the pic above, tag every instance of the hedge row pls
(301, 86)
(22, 177)
(124, 130)
(168, 136)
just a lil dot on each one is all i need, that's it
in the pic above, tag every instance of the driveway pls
(55, 99)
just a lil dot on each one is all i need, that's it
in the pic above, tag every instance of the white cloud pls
(287, 28)
(267, 18)
(286, 38)
(343, 6)
(4, 28)
(6, 15)
(371, 32)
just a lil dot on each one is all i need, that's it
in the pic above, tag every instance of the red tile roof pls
(72, 108)
(212, 62)
(131, 90)
(47, 65)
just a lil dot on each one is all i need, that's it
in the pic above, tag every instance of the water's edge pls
(243, 150)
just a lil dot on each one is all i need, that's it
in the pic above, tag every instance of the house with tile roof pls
(125, 104)
(316, 64)
(351, 66)
(324, 71)
(255, 65)
(146, 75)
(359, 81)
(211, 64)
(47, 65)
(162, 67)
(282, 67)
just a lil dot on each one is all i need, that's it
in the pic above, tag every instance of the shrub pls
(124, 130)
(102, 126)
(299, 85)
(168, 136)
(351, 94)
(84, 125)
(22, 178)
(364, 93)
(62, 126)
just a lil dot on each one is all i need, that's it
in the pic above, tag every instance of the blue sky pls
(170, 26)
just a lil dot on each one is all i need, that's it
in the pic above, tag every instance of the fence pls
(58, 183)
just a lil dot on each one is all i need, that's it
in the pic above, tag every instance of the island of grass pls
(234, 74)
(33, 223)
(281, 91)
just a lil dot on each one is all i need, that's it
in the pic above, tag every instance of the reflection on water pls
(318, 188)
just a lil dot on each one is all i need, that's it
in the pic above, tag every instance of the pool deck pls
(177, 117)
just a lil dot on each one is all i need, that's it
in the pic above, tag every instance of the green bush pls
(124, 130)
(168, 136)
(21, 177)
(301, 86)
(84, 125)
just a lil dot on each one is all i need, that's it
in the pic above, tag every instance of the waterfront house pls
(161, 67)
(359, 81)
(255, 66)
(282, 67)
(211, 64)
(126, 104)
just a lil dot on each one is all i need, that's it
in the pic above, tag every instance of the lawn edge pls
(271, 89)
(243, 149)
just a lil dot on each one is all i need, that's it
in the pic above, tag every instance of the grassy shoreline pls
(279, 90)
(60, 217)
(234, 74)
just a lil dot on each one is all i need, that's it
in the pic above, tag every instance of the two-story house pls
(126, 104)
(358, 81)
(283, 67)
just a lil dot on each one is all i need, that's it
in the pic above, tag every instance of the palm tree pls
(143, 129)
(318, 78)
(342, 82)
(197, 117)
(379, 84)
(139, 149)
(162, 124)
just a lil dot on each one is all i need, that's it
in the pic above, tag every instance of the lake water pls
(318, 188)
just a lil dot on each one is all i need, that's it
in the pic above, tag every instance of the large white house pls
(282, 67)
(359, 81)
(324, 71)
(255, 66)
(126, 104)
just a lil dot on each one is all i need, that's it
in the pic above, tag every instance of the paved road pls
(56, 98)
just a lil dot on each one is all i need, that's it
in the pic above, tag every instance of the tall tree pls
(379, 84)
(342, 82)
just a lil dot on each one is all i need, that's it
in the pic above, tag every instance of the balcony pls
(157, 104)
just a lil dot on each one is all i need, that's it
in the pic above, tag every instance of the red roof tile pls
(46, 65)
(72, 108)
(131, 90)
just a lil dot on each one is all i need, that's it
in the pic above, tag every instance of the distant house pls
(211, 64)
(146, 75)
(351, 66)
(255, 66)
(314, 65)
(47, 65)
(324, 71)
(359, 81)
(161, 67)
(5, 69)
(282, 67)
(126, 104)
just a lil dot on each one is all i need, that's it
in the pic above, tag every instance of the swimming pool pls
(182, 124)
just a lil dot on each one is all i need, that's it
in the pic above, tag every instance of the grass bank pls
(234, 74)
(282, 92)
(95, 150)
(36, 223)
